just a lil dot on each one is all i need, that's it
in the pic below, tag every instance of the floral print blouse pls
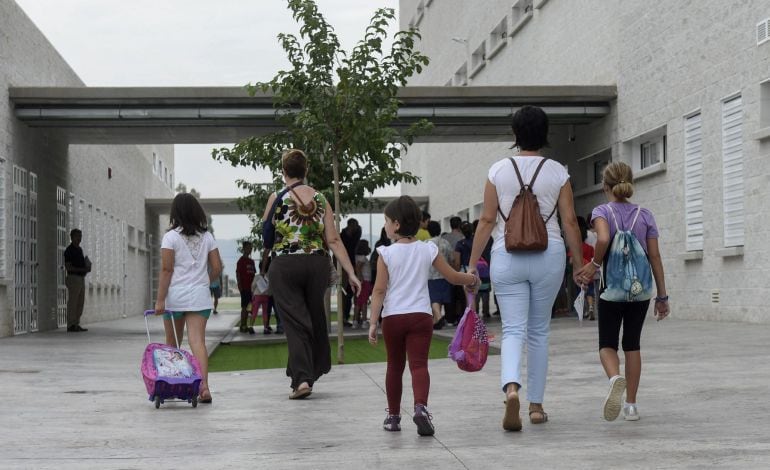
(300, 229)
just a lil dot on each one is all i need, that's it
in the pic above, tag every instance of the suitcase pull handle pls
(147, 313)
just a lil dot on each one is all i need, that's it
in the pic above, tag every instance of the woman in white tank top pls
(526, 282)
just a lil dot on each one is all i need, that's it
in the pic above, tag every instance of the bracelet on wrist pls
(661, 299)
(597, 265)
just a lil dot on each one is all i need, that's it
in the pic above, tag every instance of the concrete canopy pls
(144, 115)
(229, 206)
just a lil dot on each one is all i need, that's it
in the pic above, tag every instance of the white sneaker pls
(614, 400)
(630, 412)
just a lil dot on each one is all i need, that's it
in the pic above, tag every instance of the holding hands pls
(585, 275)
(475, 283)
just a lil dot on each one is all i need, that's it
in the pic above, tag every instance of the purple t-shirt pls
(644, 228)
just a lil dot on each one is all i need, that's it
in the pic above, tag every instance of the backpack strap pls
(531, 182)
(617, 227)
(638, 209)
(537, 172)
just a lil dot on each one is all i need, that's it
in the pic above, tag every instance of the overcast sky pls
(186, 43)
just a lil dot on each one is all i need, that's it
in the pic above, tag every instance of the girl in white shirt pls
(401, 294)
(189, 263)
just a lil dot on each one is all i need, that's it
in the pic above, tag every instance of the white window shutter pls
(693, 187)
(2, 219)
(732, 172)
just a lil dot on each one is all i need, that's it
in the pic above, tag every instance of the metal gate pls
(34, 266)
(61, 245)
(21, 320)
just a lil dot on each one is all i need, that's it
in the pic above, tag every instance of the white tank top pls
(408, 273)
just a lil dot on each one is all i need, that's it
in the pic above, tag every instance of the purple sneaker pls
(423, 420)
(392, 423)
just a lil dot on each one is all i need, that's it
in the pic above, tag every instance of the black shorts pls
(245, 298)
(630, 314)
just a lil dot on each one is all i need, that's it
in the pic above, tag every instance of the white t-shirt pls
(547, 187)
(366, 267)
(189, 288)
(408, 271)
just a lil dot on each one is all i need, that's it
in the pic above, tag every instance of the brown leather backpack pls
(524, 227)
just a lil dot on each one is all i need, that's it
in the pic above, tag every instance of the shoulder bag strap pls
(299, 199)
(279, 196)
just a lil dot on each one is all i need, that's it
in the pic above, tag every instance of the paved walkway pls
(77, 401)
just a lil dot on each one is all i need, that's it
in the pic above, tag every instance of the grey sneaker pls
(392, 423)
(613, 402)
(630, 412)
(423, 420)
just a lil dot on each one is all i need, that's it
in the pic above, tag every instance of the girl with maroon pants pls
(401, 296)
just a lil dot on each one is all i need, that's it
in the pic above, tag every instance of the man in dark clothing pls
(77, 267)
(245, 270)
(350, 236)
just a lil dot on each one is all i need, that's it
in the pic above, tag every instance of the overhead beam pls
(229, 114)
(229, 206)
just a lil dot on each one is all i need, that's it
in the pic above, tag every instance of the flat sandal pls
(538, 421)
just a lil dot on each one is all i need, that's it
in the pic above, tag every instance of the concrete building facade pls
(49, 186)
(692, 118)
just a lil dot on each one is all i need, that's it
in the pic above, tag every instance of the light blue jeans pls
(526, 285)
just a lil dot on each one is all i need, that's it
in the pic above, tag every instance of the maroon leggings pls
(407, 335)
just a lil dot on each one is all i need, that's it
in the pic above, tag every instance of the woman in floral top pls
(299, 272)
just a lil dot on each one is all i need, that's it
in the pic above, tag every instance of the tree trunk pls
(340, 320)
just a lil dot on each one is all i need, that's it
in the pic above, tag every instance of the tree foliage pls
(337, 107)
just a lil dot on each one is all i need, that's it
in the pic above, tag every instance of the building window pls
(478, 59)
(647, 151)
(693, 182)
(601, 161)
(165, 175)
(498, 38)
(521, 12)
(461, 76)
(420, 13)
(160, 169)
(764, 104)
(732, 171)
(2, 219)
(154, 163)
(652, 152)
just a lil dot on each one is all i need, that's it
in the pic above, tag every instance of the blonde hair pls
(294, 163)
(619, 178)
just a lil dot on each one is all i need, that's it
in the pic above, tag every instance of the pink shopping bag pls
(470, 345)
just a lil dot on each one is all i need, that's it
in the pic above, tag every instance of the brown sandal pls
(538, 420)
(511, 418)
(204, 396)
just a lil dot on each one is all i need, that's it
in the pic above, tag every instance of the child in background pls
(588, 254)
(401, 294)
(364, 273)
(261, 299)
(482, 268)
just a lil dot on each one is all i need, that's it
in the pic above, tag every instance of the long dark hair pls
(187, 213)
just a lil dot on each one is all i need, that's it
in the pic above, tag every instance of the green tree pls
(339, 108)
